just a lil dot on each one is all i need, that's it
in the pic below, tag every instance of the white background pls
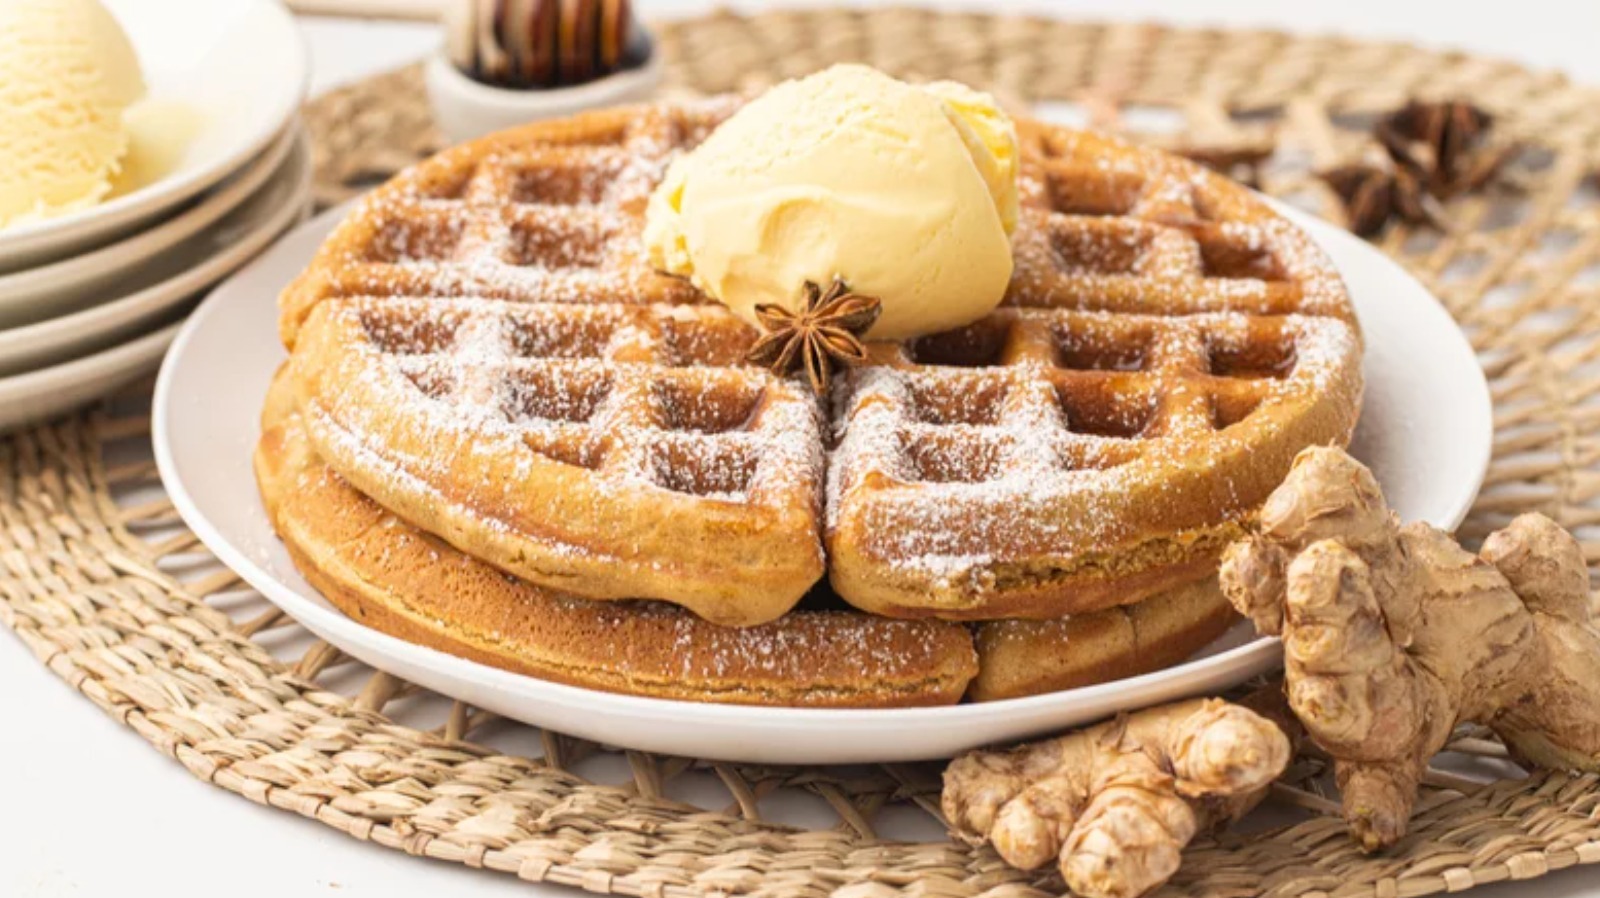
(93, 811)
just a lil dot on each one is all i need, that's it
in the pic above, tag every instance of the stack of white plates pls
(90, 300)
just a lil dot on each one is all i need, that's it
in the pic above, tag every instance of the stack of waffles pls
(501, 434)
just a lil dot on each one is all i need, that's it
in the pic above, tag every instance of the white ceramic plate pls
(59, 288)
(159, 289)
(231, 73)
(47, 392)
(1425, 431)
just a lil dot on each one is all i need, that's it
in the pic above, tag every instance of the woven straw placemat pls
(98, 577)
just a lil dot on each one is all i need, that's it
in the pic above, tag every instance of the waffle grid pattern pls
(1090, 387)
(650, 397)
(559, 220)
(1154, 310)
(1107, 235)
(645, 392)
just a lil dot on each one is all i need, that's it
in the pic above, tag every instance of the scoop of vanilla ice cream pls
(67, 73)
(908, 193)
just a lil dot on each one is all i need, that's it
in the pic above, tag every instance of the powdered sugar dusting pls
(1161, 322)
(599, 387)
(987, 493)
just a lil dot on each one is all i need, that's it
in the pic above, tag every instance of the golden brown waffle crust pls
(426, 592)
(409, 584)
(737, 562)
(1018, 658)
(333, 272)
(1168, 344)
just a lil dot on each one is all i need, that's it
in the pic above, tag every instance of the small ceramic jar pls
(466, 109)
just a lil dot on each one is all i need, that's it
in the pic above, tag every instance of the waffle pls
(1030, 657)
(611, 444)
(410, 584)
(1167, 345)
(483, 348)
(551, 212)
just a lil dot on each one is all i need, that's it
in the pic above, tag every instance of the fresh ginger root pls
(1117, 802)
(1395, 635)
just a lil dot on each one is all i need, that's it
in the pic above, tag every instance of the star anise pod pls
(1443, 145)
(825, 332)
(1375, 195)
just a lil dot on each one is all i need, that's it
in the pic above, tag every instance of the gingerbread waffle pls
(410, 584)
(1167, 346)
(617, 449)
(548, 213)
(484, 350)
(614, 444)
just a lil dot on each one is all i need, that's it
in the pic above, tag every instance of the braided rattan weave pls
(101, 581)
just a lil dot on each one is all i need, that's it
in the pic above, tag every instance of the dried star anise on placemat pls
(1443, 145)
(1375, 194)
(826, 331)
(1432, 152)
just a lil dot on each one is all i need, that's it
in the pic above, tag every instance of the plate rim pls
(189, 281)
(84, 226)
(1320, 230)
(62, 375)
(45, 282)
(1255, 655)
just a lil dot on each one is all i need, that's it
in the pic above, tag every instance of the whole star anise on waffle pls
(1241, 161)
(825, 332)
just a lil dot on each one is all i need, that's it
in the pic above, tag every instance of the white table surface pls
(93, 811)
